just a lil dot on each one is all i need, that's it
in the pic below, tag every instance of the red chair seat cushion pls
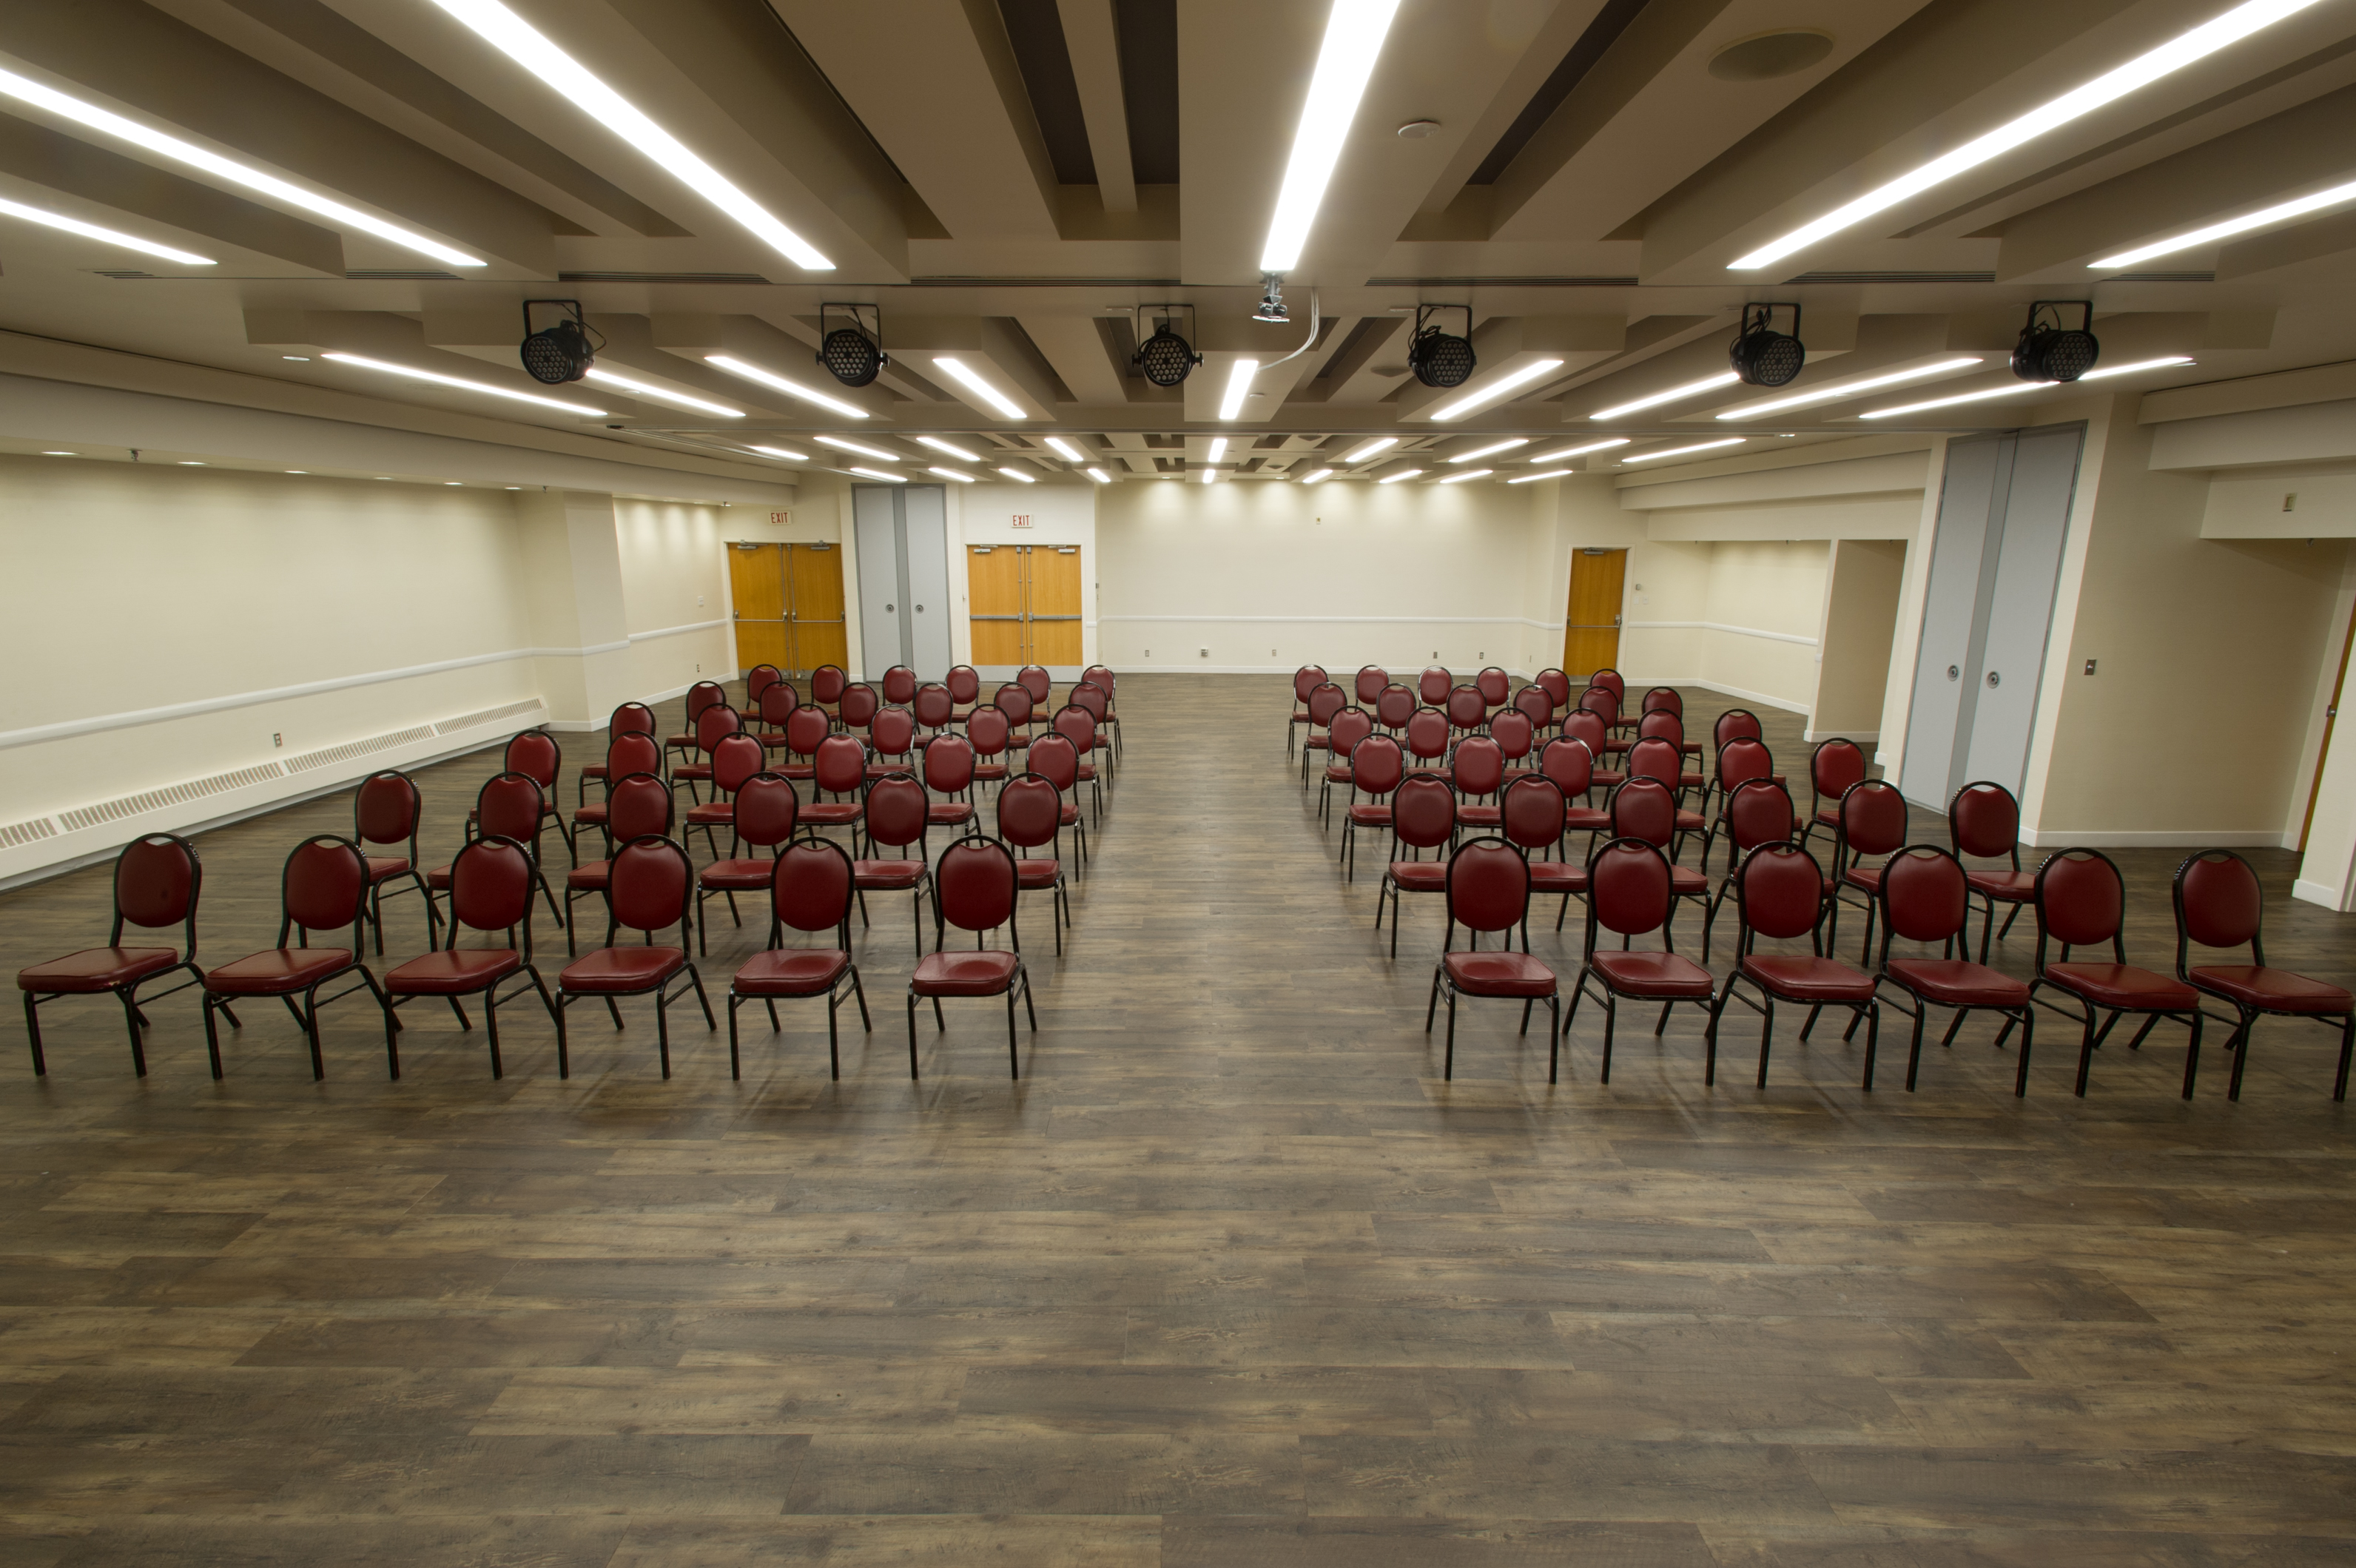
(792, 972)
(797, 771)
(1071, 813)
(711, 814)
(1038, 874)
(1828, 817)
(621, 970)
(983, 974)
(593, 770)
(1804, 978)
(687, 741)
(1866, 876)
(773, 740)
(948, 813)
(831, 814)
(1585, 819)
(886, 769)
(696, 771)
(592, 815)
(1421, 876)
(735, 875)
(1498, 974)
(2125, 986)
(1371, 814)
(277, 972)
(1655, 974)
(1480, 816)
(438, 879)
(1301, 719)
(1087, 772)
(1557, 877)
(453, 973)
(1691, 822)
(2014, 887)
(96, 969)
(887, 874)
(1606, 780)
(1339, 773)
(383, 865)
(1685, 881)
(988, 772)
(1957, 982)
(2275, 990)
(589, 878)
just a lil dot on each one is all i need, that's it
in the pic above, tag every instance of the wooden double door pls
(1026, 602)
(1591, 637)
(788, 602)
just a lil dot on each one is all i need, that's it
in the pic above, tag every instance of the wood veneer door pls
(1055, 604)
(994, 591)
(1591, 637)
(756, 589)
(814, 608)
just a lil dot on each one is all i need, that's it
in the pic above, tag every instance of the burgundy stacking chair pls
(1732, 723)
(1643, 808)
(1306, 680)
(630, 756)
(974, 891)
(1758, 812)
(158, 880)
(734, 760)
(1740, 761)
(1323, 704)
(1495, 685)
(1030, 816)
(1350, 726)
(1537, 818)
(1662, 724)
(1394, 706)
(1489, 890)
(1661, 699)
(1077, 725)
(892, 743)
(1467, 710)
(858, 708)
(536, 753)
(933, 709)
(323, 888)
(899, 686)
(640, 805)
(1037, 682)
(1433, 686)
(386, 810)
(949, 777)
(767, 813)
(491, 886)
(1872, 822)
(1423, 816)
(651, 889)
(1376, 767)
(839, 769)
(1833, 766)
(775, 708)
(1586, 727)
(964, 682)
(1054, 758)
(1657, 757)
(1612, 681)
(715, 724)
(1921, 898)
(1983, 821)
(1629, 892)
(1427, 742)
(1097, 705)
(1372, 679)
(896, 820)
(1539, 704)
(806, 726)
(701, 695)
(2081, 901)
(508, 807)
(810, 891)
(1599, 700)
(630, 718)
(827, 683)
(1557, 686)
(1102, 679)
(1515, 735)
(1572, 765)
(1014, 701)
(988, 733)
(758, 680)
(2220, 903)
(1478, 772)
(1779, 892)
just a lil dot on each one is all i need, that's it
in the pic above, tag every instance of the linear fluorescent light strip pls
(1473, 474)
(1534, 478)
(1319, 477)
(1065, 450)
(1379, 444)
(530, 49)
(938, 444)
(661, 394)
(840, 444)
(27, 91)
(952, 474)
(1018, 476)
(1218, 447)
(440, 379)
(1354, 30)
(1099, 475)
(1239, 380)
(980, 388)
(1497, 389)
(880, 474)
(1490, 450)
(2219, 230)
(1562, 452)
(736, 367)
(1395, 478)
(781, 452)
(1985, 393)
(1850, 389)
(1690, 389)
(108, 236)
(2146, 68)
(1682, 451)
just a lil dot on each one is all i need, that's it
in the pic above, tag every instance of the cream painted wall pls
(674, 569)
(1859, 623)
(1738, 618)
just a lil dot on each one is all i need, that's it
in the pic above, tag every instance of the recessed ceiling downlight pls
(1766, 55)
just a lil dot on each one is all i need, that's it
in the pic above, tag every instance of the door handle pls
(891, 609)
(1994, 680)
(920, 610)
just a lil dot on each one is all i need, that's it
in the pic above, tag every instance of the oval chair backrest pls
(759, 679)
(639, 804)
(537, 754)
(1644, 808)
(896, 809)
(1306, 680)
(986, 728)
(1557, 685)
(1612, 681)
(1325, 702)
(1434, 684)
(1535, 812)
(510, 808)
(1488, 886)
(1759, 810)
(701, 695)
(827, 683)
(1983, 821)
(1629, 891)
(1077, 725)
(1834, 766)
(649, 885)
(1372, 679)
(1780, 890)
(1494, 686)
(858, 706)
(893, 733)
(490, 885)
(1029, 810)
(633, 754)
(2219, 901)
(1394, 706)
(714, 725)
(805, 727)
(1735, 722)
(631, 718)
(841, 764)
(1662, 724)
(2080, 899)
(1479, 766)
(1536, 702)
(933, 706)
(1423, 812)
(1350, 726)
(1586, 726)
(156, 880)
(1101, 677)
(1511, 730)
(1426, 733)
(964, 682)
(1377, 765)
(1465, 707)
(1922, 891)
(735, 759)
(1742, 760)
(325, 885)
(1035, 680)
(385, 809)
(1663, 699)
(948, 764)
(812, 886)
(1016, 702)
(767, 811)
(973, 886)
(899, 685)
(778, 702)
(1872, 818)
(1092, 700)
(1600, 701)
(1569, 764)
(1053, 758)
(1656, 756)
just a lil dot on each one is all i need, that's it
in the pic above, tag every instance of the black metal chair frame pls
(924, 883)
(1955, 842)
(1609, 1000)
(663, 991)
(2024, 1014)
(1745, 939)
(1021, 978)
(1060, 905)
(834, 992)
(2245, 1016)
(1440, 977)
(306, 1015)
(415, 876)
(490, 992)
(134, 1017)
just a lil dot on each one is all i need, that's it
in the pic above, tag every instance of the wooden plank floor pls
(1231, 1277)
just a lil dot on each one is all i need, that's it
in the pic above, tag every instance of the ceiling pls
(1019, 185)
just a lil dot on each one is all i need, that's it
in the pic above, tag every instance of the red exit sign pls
(1022, 520)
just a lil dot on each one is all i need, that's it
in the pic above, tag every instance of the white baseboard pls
(2114, 838)
(1636, 683)
(2316, 893)
(1859, 735)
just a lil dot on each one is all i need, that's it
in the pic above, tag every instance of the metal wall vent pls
(34, 832)
(489, 715)
(352, 748)
(170, 795)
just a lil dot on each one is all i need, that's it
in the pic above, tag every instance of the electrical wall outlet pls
(699, 601)
(277, 737)
(2089, 667)
(1206, 653)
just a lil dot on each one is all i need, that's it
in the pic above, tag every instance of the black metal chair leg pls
(663, 1029)
(1448, 1070)
(2028, 1037)
(1611, 1018)
(736, 1071)
(1766, 1033)
(1914, 1057)
(1811, 1023)
(2192, 1054)
(491, 1031)
(912, 1035)
(131, 1021)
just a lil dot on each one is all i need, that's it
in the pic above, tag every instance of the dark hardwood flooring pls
(1230, 1277)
